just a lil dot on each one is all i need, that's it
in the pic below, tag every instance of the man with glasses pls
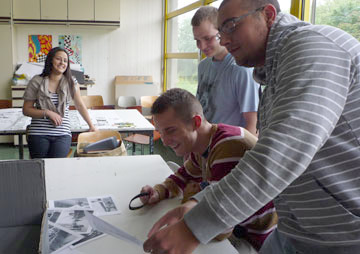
(307, 157)
(226, 91)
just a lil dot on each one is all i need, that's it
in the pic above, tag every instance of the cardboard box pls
(136, 86)
(22, 202)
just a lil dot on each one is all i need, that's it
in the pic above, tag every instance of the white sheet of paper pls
(70, 251)
(109, 229)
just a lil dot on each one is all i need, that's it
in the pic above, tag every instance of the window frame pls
(299, 8)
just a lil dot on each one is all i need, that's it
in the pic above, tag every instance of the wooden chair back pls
(91, 137)
(85, 138)
(92, 100)
(5, 104)
(148, 101)
(146, 104)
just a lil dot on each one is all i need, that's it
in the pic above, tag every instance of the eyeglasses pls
(208, 39)
(229, 26)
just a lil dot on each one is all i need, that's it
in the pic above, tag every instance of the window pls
(180, 37)
(182, 73)
(181, 55)
(174, 5)
(344, 14)
(285, 5)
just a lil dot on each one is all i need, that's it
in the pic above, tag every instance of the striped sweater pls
(308, 152)
(40, 126)
(226, 147)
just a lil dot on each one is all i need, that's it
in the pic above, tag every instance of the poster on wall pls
(72, 44)
(39, 47)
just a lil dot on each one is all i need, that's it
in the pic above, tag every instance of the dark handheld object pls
(103, 144)
(138, 196)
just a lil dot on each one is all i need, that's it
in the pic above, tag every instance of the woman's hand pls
(93, 128)
(55, 118)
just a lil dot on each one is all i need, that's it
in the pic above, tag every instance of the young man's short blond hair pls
(205, 13)
(183, 102)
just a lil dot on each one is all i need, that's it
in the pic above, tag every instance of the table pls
(123, 178)
(13, 122)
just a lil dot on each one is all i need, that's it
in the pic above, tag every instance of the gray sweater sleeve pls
(311, 84)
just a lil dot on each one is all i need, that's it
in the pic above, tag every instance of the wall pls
(6, 66)
(132, 49)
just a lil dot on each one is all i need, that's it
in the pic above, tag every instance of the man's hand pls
(176, 237)
(152, 198)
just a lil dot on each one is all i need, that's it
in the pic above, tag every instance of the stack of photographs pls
(67, 225)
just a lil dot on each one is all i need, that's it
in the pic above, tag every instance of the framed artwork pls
(72, 45)
(39, 47)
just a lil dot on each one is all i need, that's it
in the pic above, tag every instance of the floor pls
(10, 152)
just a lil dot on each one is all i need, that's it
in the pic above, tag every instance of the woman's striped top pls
(307, 157)
(40, 126)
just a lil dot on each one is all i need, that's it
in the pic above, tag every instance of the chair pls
(173, 166)
(126, 101)
(140, 139)
(146, 103)
(92, 100)
(5, 104)
(85, 138)
(138, 108)
(104, 107)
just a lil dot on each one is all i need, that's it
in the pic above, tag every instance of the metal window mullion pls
(165, 47)
(187, 55)
(300, 9)
(183, 10)
(167, 16)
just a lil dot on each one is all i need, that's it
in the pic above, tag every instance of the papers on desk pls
(102, 205)
(60, 238)
(11, 119)
(69, 227)
(124, 125)
(73, 220)
(72, 223)
(101, 121)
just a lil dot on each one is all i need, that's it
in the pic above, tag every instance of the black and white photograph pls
(93, 235)
(104, 205)
(75, 203)
(60, 238)
(53, 215)
(73, 220)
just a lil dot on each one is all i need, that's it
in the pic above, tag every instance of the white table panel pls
(123, 178)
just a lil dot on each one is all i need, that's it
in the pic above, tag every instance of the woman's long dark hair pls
(49, 66)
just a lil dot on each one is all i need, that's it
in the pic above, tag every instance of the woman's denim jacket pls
(38, 90)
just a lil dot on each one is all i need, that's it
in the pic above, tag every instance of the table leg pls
(152, 142)
(21, 147)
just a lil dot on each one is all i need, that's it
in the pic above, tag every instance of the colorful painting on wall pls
(39, 47)
(72, 44)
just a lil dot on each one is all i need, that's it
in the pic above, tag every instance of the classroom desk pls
(123, 178)
(13, 122)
